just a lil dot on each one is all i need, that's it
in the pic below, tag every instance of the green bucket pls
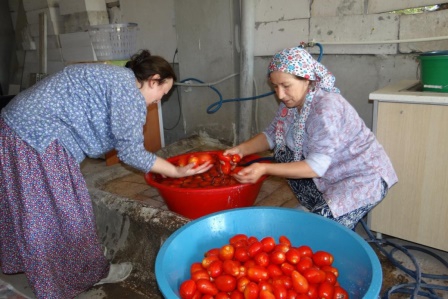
(434, 71)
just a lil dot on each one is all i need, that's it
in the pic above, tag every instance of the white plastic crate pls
(114, 41)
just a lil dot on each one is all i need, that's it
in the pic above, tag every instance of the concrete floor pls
(274, 192)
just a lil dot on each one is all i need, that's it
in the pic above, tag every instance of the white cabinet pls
(412, 126)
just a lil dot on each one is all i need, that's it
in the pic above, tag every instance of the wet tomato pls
(305, 250)
(277, 257)
(340, 293)
(187, 289)
(314, 275)
(325, 290)
(262, 259)
(225, 283)
(237, 238)
(215, 268)
(299, 282)
(292, 256)
(206, 287)
(251, 291)
(200, 274)
(226, 252)
(322, 258)
(304, 263)
(257, 273)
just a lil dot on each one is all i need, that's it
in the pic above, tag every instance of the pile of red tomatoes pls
(218, 176)
(249, 268)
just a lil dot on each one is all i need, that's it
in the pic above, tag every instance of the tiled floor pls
(274, 192)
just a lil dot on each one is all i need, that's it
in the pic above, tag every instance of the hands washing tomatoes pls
(248, 268)
(224, 166)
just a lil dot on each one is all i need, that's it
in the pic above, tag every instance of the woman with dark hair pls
(333, 162)
(47, 225)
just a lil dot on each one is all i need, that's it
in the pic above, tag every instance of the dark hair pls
(145, 65)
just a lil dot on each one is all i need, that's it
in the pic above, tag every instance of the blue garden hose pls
(217, 105)
(419, 287)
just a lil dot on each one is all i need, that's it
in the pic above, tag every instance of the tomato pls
(236, 295)
(251, 291)
(274, 270)
(268, 244)
(241, 254)
(255, 248)
(236, 170)
(225, 283)
(284, 240)
(262, 259)
(340, 293)
(206, 287)
(292, 256)
(213, 251)
(287, 268)
(215, 268)
(251, 240)
(325, 290)
(187, 289)
(242, 283)
(322, 258)
(200, 274)
(231, 267)
(332, 269)
(283, 280)
(237, 238)
(280, 292)
(224, 158)
(182, 161)
(193, 159)
(314, 275)
(299, 282)
(330, 277)
(293, 295)
(226, 252)
(222, 295)
(204, 157)
(304, 263)
(235, 158)
(206, 261)
(277, 257)
(195, 267)
(282, 247)
(257, 273)
(265, 286)
(265, 294)
(312, 291)
(226, 168)
(305, 250)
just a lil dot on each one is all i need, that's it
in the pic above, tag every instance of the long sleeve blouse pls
(341, 149)
(89, 108)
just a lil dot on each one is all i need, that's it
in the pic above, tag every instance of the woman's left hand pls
(188, 170)
(251, 174)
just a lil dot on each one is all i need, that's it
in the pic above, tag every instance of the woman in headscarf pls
(333, 162)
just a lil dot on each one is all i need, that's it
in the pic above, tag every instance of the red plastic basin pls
(197, 202)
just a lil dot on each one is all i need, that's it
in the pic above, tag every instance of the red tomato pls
(187, 289)
(284, 240)
(322, 258)
(262, 259)
(293, 295)
(235, 158)
(183, 161)
(251, 291)
(277, 257)
(314, 275)
(282, 247)
(224, 158)
(299, 282)
(226, 252)
(305, 250)
(236, 295)
(255, 248)
(268, 244)
(274, 270)
(225, 283)
(215, 268)
(304, 263)
(283, 280)
(200, 274)
(241, 254)
(340, 293)
(222, 295)
(213, 251)
(193, 159)
(265, 294)
(292, 256)
(287, 268)
(206, 261)
(265, 286)
(330, 277)
(237, 238)
(226, 167)
(312, 291)
(231, 267)
(332, 269)
(195, 267)
(242, 283)
(251, 240)
(280, 292)
(206, 287)
(325, 290)
(204, 157)
(257, 273)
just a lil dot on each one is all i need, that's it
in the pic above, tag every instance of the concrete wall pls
(359, 40)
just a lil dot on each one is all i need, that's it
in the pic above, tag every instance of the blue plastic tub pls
(359, 268)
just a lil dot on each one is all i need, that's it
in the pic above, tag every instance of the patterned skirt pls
(47, 225)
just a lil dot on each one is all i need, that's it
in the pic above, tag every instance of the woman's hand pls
(188, 170)
(251, 174)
